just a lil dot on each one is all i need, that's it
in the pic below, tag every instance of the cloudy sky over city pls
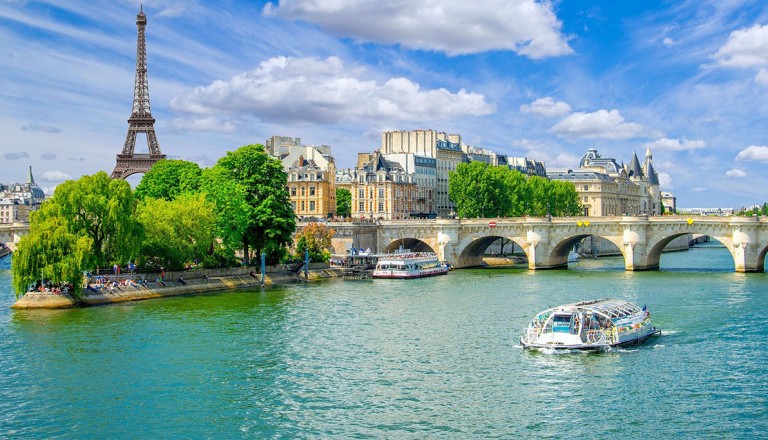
(545, 80)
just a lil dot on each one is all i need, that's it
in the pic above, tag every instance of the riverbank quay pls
(147, 286)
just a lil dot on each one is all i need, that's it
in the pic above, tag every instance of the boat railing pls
(532, 333)
(596, 336)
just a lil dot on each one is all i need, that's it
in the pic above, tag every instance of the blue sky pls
(546, 80)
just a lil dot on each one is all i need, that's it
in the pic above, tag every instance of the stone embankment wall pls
(194, 282)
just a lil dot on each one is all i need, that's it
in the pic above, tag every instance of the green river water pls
(428, 358)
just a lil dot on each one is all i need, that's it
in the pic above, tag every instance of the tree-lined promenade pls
(181, 214)
(178, 214)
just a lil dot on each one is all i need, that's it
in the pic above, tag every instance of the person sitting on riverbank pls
(159, 281)
(181, 279)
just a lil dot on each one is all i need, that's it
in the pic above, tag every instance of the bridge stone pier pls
(547, 241)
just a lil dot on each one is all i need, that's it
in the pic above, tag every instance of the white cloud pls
(547, 107)
(753, 152)
(40, 128)
(48, 156)
(668, 41)
(210, 123)
(602, 124)
(698, 189)
(56, 176)
(665, 180)
(745, 48)
(527, 27)
(173, 11)
(676, 144)
(735, 173)
(762, 77)
(311, 90)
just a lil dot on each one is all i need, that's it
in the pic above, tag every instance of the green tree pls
(564, 199)
(177, 231)
(479, 190)
(316, 238)
(88, 222)
(343, 202)
(168, 179)
(101, 209)
(49, 252)
(249, 190)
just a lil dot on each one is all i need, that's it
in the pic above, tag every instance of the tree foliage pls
(101, 209)
(316, 238)
(343, 202)
(483, 190)
(88, 222)
(248, 189)
(49, 252)
(177, 231)
(168, 179)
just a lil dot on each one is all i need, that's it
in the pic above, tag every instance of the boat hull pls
(590, 347)
(407, 276)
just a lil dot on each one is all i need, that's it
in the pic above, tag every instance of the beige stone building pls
(445, 148)
(606, 188)
(311, 181)
(380, 188)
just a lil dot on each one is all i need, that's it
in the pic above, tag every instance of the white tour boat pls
(409, 265)
(590, 325)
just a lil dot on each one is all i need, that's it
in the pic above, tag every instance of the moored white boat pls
(409, 265)
(589, 325)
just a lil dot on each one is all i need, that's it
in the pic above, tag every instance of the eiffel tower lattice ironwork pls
(141, 120)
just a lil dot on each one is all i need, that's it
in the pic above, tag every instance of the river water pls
(430, 358)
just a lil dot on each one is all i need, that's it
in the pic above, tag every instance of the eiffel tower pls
(141, 120)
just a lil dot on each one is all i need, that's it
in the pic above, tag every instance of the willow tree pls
(87, 223)
(103, 210)
(249, 190)
(50, 251)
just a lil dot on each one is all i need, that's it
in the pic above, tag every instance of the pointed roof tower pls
(30, 179)
(653, 178)
(634, 167)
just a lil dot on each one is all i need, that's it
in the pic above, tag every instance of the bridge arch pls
(657, 245)
(474, 249)
(562, 245)
(410, 243)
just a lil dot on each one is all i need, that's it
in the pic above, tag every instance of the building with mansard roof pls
(606, 187)
(381, 188)
(311, 181)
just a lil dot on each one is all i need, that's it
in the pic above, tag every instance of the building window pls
(311, 206)
(360, 206)
(293, 206)
(381, 206)
(586, 187)
(303, 191)
(381, 193)
(311, 190)
(293, 191)
(302, 206)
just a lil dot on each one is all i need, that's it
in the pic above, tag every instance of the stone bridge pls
(547, 241)
(10, 233)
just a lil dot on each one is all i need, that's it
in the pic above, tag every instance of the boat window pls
(561, 323)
